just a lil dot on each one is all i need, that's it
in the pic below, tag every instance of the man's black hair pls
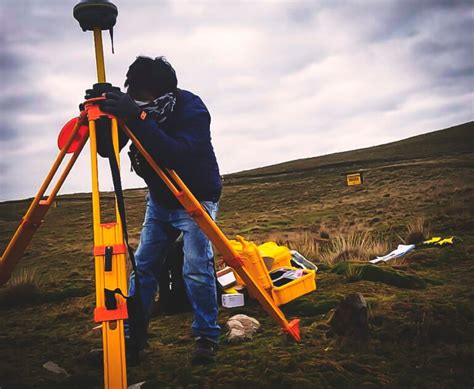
(156, 76)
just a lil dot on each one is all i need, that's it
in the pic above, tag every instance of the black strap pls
(110, 301)
(136, 314)
(120, 203)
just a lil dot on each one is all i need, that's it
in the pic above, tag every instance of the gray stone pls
(55, 368)
(150, 384)
(241, 327)
(351, 317)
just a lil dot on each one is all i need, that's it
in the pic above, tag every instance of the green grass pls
(421, 311)
(362, 271)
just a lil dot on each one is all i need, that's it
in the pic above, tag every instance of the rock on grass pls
(351, 317)
(241, 328)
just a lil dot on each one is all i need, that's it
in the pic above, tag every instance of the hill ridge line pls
(449, 141)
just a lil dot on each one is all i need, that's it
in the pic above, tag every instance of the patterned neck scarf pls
(160, 108)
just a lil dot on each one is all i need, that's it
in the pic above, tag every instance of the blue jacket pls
(182, 143)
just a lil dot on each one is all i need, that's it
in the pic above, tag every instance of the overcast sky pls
(282, 79)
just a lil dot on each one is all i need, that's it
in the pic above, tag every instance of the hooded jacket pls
(182, 143)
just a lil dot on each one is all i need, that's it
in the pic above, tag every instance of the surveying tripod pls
(110, 247)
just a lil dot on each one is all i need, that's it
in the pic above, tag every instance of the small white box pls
(226, 278)
(233, 300)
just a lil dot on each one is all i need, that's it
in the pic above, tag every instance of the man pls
(173, 126)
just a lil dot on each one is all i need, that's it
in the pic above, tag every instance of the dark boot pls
(204, 352)
(133, 352)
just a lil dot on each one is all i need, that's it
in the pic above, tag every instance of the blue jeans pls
(160, 229)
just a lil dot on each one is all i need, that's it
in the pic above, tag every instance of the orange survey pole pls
(34, 217)
(218, 238)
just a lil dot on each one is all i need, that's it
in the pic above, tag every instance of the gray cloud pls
(403, 18)
(18, 101)
(8, 61)
(7, 131)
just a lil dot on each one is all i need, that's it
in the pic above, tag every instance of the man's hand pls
(121, 105)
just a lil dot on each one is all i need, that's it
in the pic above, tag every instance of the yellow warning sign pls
(354, 179)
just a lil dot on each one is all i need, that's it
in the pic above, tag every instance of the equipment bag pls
(172, 291)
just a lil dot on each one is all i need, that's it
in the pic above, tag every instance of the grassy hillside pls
(420, 335)
(454, 140)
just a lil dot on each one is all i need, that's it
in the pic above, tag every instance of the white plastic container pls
(233, 300)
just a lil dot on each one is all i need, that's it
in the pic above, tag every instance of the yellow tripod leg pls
(218, 238)
(110, 274)
(110, 258)
(38, 209)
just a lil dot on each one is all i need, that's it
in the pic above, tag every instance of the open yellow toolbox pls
(294, 289)
(281, 258)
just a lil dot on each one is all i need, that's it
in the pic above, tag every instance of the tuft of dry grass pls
(305, 242)
(352, 247)
(24, 277)
(22, 289)
(417, 231)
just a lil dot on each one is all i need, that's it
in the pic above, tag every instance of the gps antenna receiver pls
(96, 14)
(93, 14)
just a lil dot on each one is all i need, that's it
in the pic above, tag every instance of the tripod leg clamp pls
(116, 248)
(102, 314)
(112, 310)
